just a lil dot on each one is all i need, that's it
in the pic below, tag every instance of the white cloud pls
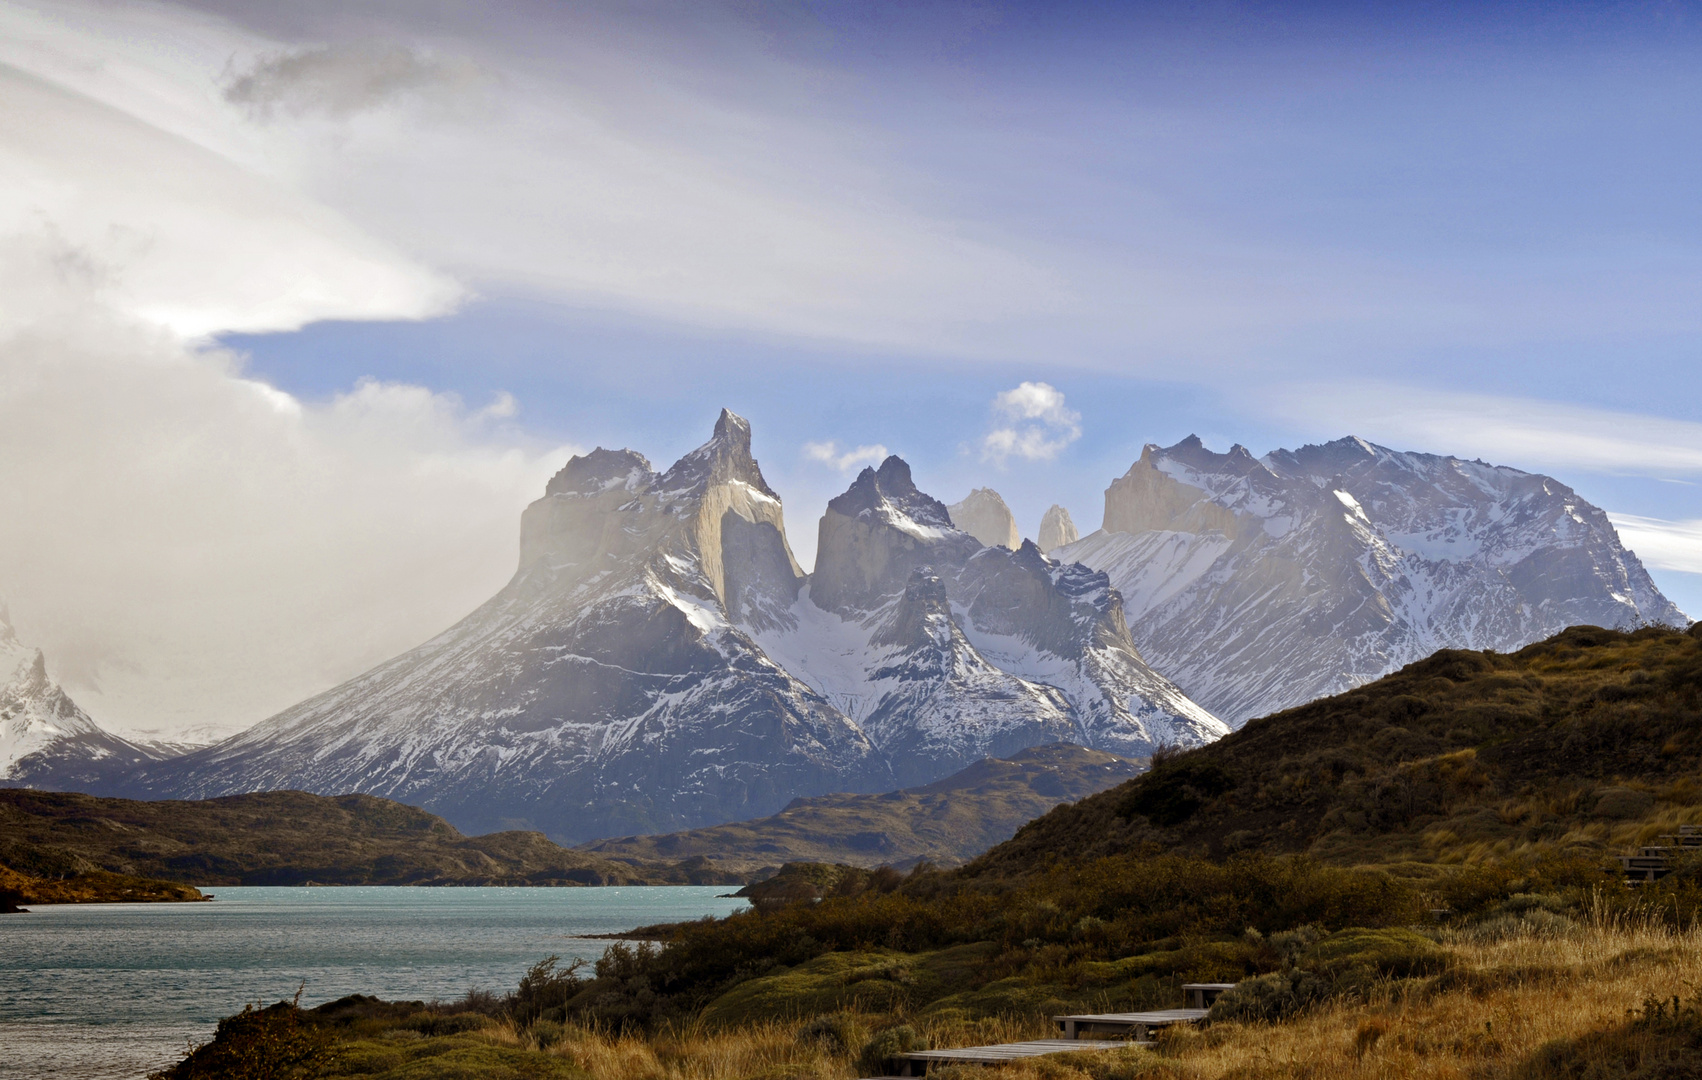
(1664, 545)
(130, 159)
(829, 453)
(1033, 423)
(262, 184)
(1523, 432)
(193, 546)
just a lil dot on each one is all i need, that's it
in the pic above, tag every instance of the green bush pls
(1359, 955)
(887, 1045)
(1271, 997)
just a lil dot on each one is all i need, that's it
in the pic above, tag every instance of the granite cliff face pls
(604, 690)
(660, 662)
(1262, 583)
(984, 515)
(46, 740)
(1056, 530)
(946, 649)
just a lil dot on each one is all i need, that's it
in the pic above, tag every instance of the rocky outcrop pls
(984, 515)
(1262, 583)
(945, 648)
(1056, 529)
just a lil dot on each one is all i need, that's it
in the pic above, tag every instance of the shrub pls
(1271, 997)
(543, 988)
(257, 1044)
(885, 1046)
(840, 1034)
(1353, 957)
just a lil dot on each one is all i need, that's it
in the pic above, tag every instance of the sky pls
(301, 304)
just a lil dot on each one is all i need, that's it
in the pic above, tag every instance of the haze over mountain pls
(983, 514)
(1259, 584)
(46, 740)
(659, 662)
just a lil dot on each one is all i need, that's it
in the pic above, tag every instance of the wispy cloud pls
(1031, 422)
(829, 453)
(347, 78)
(1665, 545)
(1523, 432)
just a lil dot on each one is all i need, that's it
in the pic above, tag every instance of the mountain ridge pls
(641, 672)
(1261, 583)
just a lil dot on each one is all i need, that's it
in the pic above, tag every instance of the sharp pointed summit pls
(605, 690)
(46, 740)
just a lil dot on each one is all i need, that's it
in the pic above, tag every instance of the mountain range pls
(660, 661)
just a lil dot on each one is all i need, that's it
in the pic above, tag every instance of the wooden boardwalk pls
(918, 1062)
(1137, 1024)
(1133, 1026)
(1655, 861)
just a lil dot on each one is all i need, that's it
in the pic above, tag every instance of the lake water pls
(113, 991)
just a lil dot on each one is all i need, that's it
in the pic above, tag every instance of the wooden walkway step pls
(1138, 1024)
(918, 1062)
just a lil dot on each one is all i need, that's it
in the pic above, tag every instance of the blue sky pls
(440, 251)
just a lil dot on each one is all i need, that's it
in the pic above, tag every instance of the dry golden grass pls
(1487, 1018)
(771, 1051)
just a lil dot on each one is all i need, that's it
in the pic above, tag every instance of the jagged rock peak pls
(984, 515)
(602, 470)
(924, 613)
(890, 493)
(1057, 529)
(725, 458)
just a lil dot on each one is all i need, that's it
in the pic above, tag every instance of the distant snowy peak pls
(984, 515)
(45, 739)
(1260, 583)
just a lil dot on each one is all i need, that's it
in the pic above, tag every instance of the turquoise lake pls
(113, 991)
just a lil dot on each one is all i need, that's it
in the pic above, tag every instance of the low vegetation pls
(95, 887)
(292, 838)
(1582, 745)
(944, 823)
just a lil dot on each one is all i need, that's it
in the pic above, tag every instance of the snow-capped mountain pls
(946, 650)
(1258, 584)
(603, 691)
(45, 739)
(659, 662)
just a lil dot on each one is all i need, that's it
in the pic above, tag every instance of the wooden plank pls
(1139, 1023)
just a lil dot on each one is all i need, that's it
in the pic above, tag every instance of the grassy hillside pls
(290, 838)
(945, 823)
(1578, 747)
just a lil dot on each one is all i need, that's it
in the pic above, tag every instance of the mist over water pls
(114, 991)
